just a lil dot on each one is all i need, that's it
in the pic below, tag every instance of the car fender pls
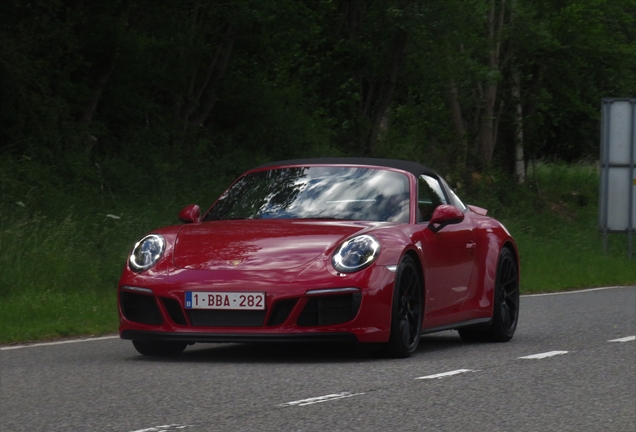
(491, 238)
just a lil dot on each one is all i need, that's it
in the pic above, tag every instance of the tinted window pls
(429, 196)
(316, 193)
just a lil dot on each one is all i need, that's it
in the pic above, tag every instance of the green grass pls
(57, 278)
(554, 220)
(549, 266)
(32, 315)
(61, 255)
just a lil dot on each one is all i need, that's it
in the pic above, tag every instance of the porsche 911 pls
(356, 250)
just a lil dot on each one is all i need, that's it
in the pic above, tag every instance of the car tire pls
(159, 348)
(406, 311)
(505, 305)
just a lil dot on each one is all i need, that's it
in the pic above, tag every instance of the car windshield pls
(346, 193)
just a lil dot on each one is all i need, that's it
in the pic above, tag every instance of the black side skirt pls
(475, 322)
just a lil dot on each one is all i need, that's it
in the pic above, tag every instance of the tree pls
(354, 66)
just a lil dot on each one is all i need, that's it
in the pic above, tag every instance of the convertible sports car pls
(362, 250)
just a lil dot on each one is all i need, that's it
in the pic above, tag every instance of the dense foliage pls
(113, 93)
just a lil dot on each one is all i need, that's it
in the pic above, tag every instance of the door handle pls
(471, 245)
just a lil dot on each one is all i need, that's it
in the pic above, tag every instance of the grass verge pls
(554, 221)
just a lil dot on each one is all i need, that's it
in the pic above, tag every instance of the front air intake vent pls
(174, 310)
(140, 308)
(226, 318)
(330, 310)
(281, 311)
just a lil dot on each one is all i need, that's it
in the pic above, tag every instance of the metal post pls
(632, 179)
(624, 114)
(605, 126)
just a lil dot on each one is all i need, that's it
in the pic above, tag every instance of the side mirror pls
(445, 215)
(190, 214)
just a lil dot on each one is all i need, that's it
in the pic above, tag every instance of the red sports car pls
(361, 250)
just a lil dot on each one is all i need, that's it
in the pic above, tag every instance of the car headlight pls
(147, 252)
(356, 253)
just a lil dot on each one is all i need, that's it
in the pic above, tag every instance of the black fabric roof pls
(412, 167)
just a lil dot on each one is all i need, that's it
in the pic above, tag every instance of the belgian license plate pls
(225, 300)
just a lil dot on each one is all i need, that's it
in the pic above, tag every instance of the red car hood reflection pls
(258, 244)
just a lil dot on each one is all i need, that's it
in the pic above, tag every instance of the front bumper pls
(340, 308)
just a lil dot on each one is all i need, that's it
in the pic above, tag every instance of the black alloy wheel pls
(407, 310)
(159, 348)
(506, 304)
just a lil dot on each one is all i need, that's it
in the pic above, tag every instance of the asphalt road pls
(586, 382)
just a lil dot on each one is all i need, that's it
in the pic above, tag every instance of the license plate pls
(225, 300)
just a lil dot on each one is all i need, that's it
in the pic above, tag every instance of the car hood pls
(258, 244)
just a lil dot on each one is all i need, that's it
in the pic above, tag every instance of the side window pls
(454, 198)
(429, 196)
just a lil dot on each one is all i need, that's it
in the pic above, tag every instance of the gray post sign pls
(617, 209)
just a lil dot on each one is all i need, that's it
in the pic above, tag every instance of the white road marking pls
(13, 347)
(163, 428)
(320, 399)
(625, 339)
(446, 374)
(544, 355)
(577, 291)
